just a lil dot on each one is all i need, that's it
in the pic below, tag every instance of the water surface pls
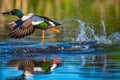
(88, 46)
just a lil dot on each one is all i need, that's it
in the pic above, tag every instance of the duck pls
(27, 24)
(31, 66)
(46, 66)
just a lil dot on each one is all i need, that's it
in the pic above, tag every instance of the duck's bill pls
(7, 13)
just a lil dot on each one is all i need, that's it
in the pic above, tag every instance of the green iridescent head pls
(15, 12)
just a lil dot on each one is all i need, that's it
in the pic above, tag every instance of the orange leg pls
(43, 36)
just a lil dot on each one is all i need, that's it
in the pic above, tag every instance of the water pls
(90, 65)
(88, 56)
(88, 46)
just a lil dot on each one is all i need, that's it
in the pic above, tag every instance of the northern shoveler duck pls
(26, 25)
(30, 67)
(46, 66)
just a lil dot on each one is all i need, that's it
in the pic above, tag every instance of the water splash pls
(82, 36)
(115, 37)
(84, 33)
(87, 33)
(103, 36)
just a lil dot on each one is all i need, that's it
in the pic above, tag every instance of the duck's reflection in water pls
(30, 66)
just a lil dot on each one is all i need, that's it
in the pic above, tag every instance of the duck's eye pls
(13, 12)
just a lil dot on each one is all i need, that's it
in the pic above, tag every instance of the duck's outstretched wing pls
(20, 29)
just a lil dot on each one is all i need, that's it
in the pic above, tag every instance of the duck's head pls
(15, 12)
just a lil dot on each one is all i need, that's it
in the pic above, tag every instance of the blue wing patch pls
(19, 23)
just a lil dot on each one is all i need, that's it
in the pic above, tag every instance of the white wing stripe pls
(36, 22)
(52, 23)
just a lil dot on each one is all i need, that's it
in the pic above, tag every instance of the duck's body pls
(26, 25)
(29, 66)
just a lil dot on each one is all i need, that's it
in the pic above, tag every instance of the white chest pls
(27, 17)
